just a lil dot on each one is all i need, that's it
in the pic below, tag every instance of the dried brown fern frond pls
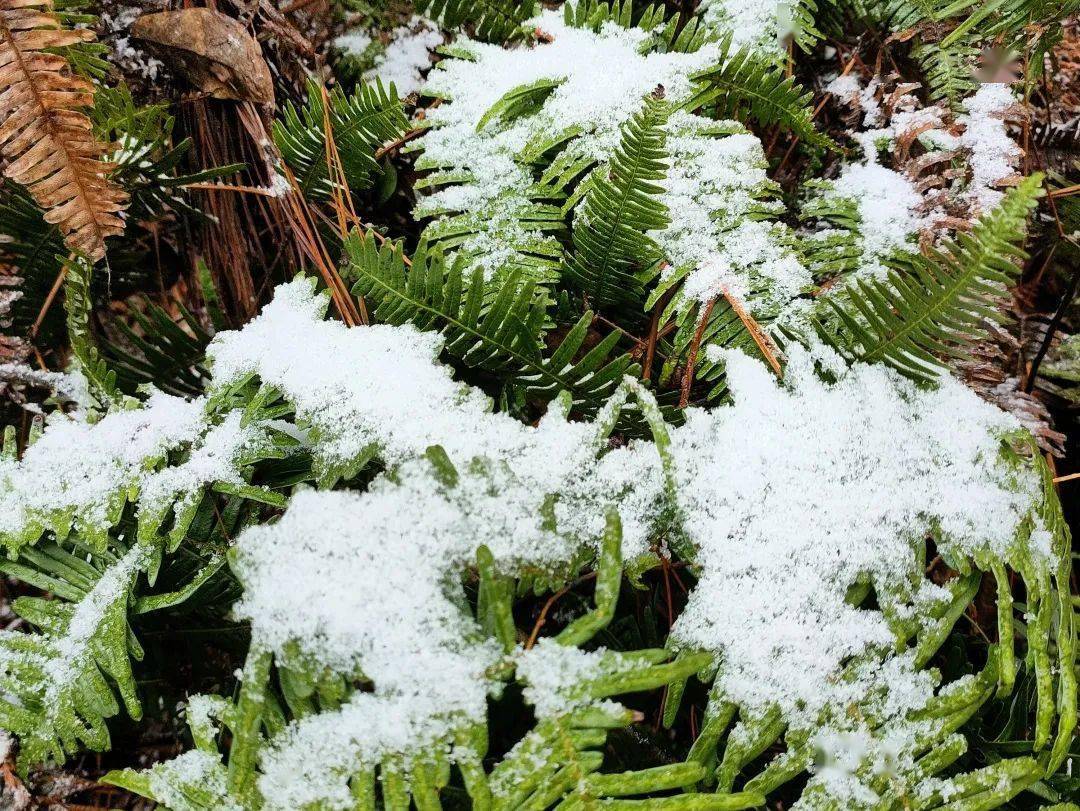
(45, 139)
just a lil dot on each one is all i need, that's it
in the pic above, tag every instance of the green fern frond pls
(521, 100)
(146, 159)
(79, 305)
(898, 15)
(743, 84)
(932, 305)
(593, 14)
(88, 59)
(805, 31)
(490, 20)
(688, 38)
(32, 249)
(192, 781)
(59, 687)
(157, 350)
(831, 254)
(505, 242)
(949, 70)
(495, 326)
(361, 121)
(612, 257)
(558, 761)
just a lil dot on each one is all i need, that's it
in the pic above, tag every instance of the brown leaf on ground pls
(213, 51)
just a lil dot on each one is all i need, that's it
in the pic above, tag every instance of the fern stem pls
(246, 730)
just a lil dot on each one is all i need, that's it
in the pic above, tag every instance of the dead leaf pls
(47, 143)
(213, 51)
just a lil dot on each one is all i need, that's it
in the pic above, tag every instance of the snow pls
(759, 25)
(713, 186)
(575, 57)
(131, 59)
(195, 771)
(889, 209)
(354, 43)
(119, 455)
(554, 675)
(993, 155)
(833, 483)
(69, 387)
(113, 456)
(408, 55)
(212, 458)
(846, 86)
(789, 497)
(75, 649)
(405, 59)
(381, 390)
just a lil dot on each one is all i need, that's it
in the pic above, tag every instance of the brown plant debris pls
(213, 51)
(46, 141)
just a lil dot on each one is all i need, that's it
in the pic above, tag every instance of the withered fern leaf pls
(46, 139)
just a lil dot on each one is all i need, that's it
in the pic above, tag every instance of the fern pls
(77, 301)
(497, 328)
(87, 58)
(949, 70)
(490, 20)
(57, 686)
(612, 257)
(521, 573)
(360, 123)
(743, 84)
(556, 760)
(158, 350)
(933, 304)
(146, 161)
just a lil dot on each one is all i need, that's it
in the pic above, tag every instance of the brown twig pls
(691, 359)
(47, 304)
(654, 326)
(296, 5)
(307, 237)
(229, 187)
(542, 619)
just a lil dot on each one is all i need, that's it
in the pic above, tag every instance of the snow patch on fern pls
(119, 457)
(498, 186)
(721, 202)
(994, 155)
(800, 490)
(790, 497)
(758, 25)
(113, 456)
(557, 676)
(404, 60)
(73, 651)
(189, 781)
(889, 209)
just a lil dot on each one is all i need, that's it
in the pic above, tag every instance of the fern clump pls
(614, 431)
(517, 162)
(465, 492)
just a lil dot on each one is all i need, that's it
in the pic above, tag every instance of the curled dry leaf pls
(214, 52)
(45, 139)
